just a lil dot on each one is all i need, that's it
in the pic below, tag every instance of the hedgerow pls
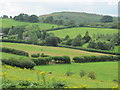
(61, 59)
(21, 62)
(14, 51)
(101, 58)
(42, 60)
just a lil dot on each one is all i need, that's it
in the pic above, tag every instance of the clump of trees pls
(31, 34)
(52, 40)
(26, 18)
(106, 19)
(78, 40)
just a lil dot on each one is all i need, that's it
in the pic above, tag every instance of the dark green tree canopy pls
(5, 16)
(26, 18)
(52, 40)
(106, 19)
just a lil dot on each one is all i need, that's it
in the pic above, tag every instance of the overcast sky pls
(40, 7)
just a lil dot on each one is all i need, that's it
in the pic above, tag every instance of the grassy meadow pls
(9, 22)
(8, 55)
(73, 32)
(52, 51)
(105, 72)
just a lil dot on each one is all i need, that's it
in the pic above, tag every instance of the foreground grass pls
(73, 32)
(105, 73)
(9, 22)
(52, 51)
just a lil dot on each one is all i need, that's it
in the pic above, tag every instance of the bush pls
(82, 73)
(42, 60)
(14, 51)
(43, 55)
(92, 75)
(21, 62)
(35, 55)
(84, 59)
(61, 59)
(58, 84)
(69, 73)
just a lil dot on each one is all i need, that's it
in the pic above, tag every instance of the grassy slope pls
(73, 32)
(7, 55)
(105, 71)
(53, 51)
(10, 22)
(77, 17)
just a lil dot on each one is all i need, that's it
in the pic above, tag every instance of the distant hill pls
(76, 17)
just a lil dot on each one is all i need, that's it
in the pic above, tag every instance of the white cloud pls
(39, 7)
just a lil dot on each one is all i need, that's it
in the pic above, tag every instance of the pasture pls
(7, 23)
(105, 72)
(8, 55)
(73, 32)
(48, 50)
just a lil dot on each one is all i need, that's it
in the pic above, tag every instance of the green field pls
(9, 22)
(52, 51)
(7, 55)
(73, 32)
(116, 49)
(105, 72)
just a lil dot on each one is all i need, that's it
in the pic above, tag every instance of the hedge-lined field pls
(52, 51)
(9, 22)
(73, 32)
(106, 74)
(105, 71)
(8, 55)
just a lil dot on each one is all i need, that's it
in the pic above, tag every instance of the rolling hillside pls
(9, 22)
(76, 17)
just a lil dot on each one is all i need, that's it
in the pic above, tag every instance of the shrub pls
(43, 55)
(61, 59)
(8, 84)
(35, 55)
(82, 73)
(24, 83)
(69, 73)
(92, 75)
(66, 59)
(21, 62)
(58, 84)
(14, 51)
(42, 60)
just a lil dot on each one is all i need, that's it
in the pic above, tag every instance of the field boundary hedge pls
(90, 50)
(21, 62)
(68, 27)
(102, 58)
(71, 47)
(14, 51)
